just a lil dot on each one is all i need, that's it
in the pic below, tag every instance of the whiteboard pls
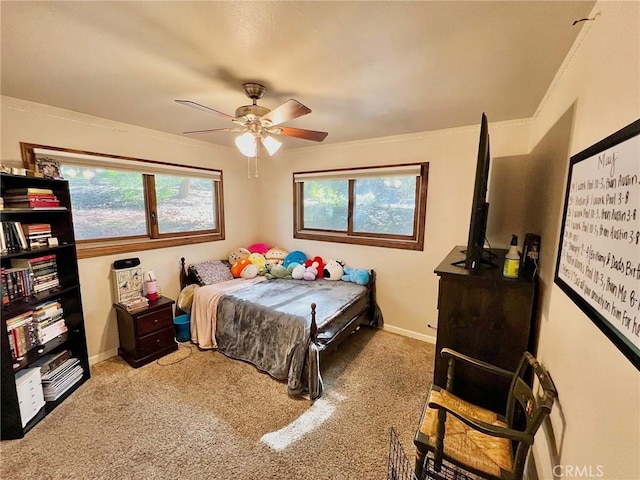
(598, 263)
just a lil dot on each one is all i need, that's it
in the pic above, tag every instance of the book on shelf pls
(49, 332)
(34, 204)
(43, 272)
(51, 361)
(17, 282)
(37, 234)
(57, 381)
(14, 236)
(28, 190)
(26, 198)
(21, 334)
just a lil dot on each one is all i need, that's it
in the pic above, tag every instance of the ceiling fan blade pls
(314, 135)
(287, 111)
(191, 104)
(214, 130)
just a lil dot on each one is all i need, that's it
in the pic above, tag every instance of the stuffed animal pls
(320, 265)
(277, 271)
(237, 254)
(295, 256)
(275, 255)
(259, 261)
(249, 271)
(261, 248)
(239, 266)
(311, 272)
(356, 275)
(297, 272)
(333, 270)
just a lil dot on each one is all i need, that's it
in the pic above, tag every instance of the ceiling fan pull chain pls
(256, 166)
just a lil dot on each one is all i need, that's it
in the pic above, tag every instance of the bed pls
(283, 327)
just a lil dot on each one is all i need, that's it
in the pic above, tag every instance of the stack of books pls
(51, 361)
(57, 381)
(48, 321)
(12, 237)
(135, 303)
(31, 197)
(21, 334)
(45, 272)
(17, 283)
(37, 234)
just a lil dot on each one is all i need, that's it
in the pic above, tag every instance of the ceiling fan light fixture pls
(271, 144)
(246, 143)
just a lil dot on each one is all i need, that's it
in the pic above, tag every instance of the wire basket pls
(399, 467)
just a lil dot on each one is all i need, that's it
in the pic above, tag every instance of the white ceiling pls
(366, 69)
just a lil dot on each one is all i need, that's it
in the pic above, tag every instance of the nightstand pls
(146, 334)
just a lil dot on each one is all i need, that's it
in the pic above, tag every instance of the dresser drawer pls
(157, 341)
(152, 321)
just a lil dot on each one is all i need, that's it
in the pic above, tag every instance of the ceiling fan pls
(259, 122)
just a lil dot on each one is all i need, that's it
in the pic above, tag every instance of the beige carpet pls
(204, 417)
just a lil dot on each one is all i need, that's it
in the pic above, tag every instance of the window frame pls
(154, 239)
(405, 242)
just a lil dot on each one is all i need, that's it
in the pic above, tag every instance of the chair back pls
(525, 410)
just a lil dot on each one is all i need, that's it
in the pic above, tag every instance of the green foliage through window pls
(381, 206)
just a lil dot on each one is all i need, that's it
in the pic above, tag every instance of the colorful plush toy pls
(356, 275)
(237, 254)
(259, 261)
(333, 270)
(275, 255)
(249, 271)
(277, 270)
(319, 266)
(311, 272)
(239, 266)
(297, 272)
(295, 256)
(261, 248)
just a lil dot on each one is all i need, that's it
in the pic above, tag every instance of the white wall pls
(407, 287)
(597, 91)
(36, 123)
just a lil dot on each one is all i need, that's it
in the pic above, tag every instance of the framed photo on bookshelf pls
(49, 167)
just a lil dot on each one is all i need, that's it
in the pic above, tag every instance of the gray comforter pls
(269, 323)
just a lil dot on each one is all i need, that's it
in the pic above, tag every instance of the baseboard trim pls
(408, 333)
(103, 356)
(389, 328)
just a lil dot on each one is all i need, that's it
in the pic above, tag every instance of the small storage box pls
(30, 394)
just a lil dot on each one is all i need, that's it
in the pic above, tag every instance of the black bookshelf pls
(67, 293)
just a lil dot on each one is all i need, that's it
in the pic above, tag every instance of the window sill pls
(403, 244)
(90, 250)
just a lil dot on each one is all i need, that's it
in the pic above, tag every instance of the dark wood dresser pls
(486, 316)
(146, 334)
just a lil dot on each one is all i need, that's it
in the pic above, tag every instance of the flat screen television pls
(475, 254)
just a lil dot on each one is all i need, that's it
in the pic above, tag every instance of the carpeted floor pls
(210, 417)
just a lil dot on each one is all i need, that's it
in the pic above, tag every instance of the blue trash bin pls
(182, 325)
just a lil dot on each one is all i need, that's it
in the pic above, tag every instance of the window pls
(125, 204)
(378, 206)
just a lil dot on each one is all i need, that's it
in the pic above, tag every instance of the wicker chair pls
(478, 440)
